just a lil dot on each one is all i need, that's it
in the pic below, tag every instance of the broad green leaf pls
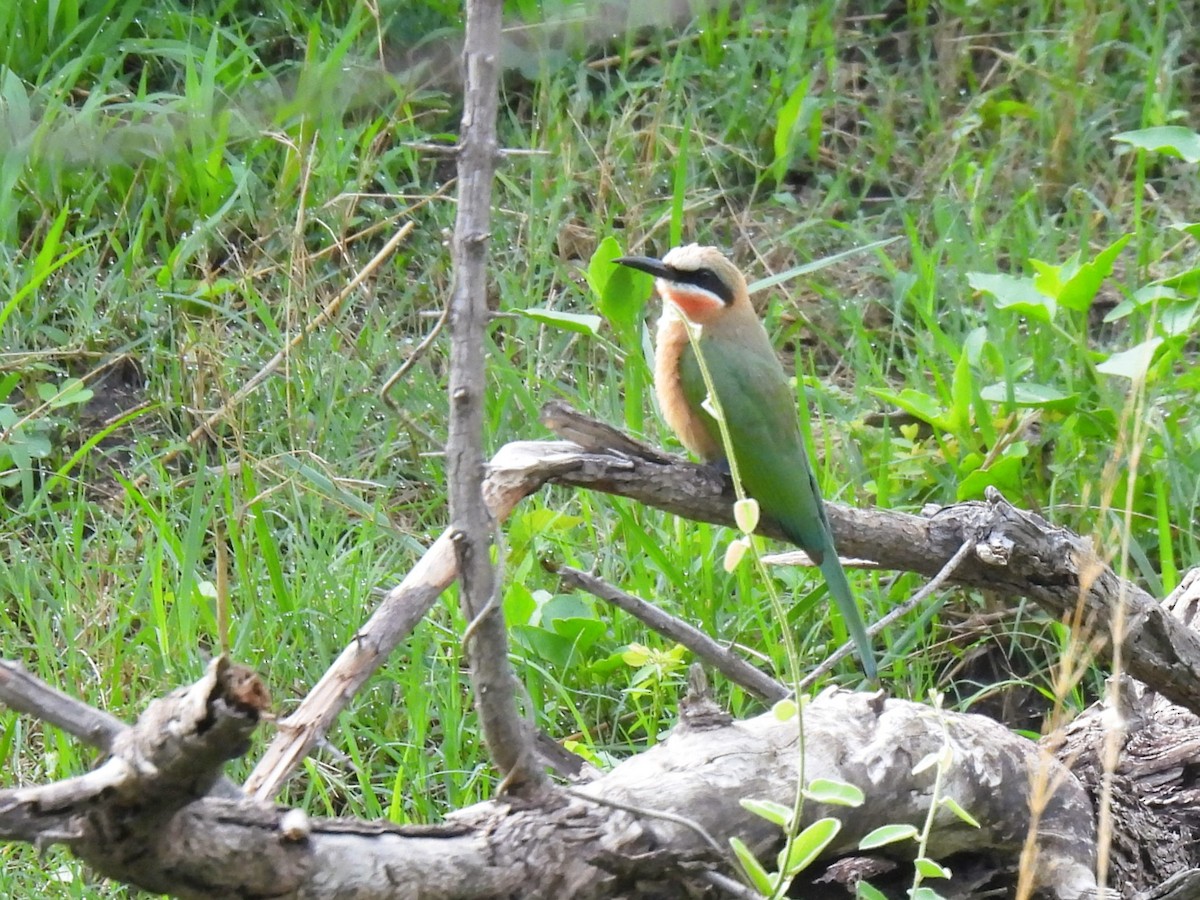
(636, 655)
(1080, 288)
(1014, 292)
(808, 845)
(550, 648)
(70, 392)
(33, 442)
(1133, 363)
(7, 383)
(924, 893)
(951, 804)
(600, 266)
(580, 323)
(1174, 140)
(864, 891)
(519, 605)
(974, 343)
(620, 291)
(1028, 394)
(838, 793)
(924, 407)
(930, 868)
(625, 297)
(993, 110)
(888, 834)
(785, 709)
(752, 867)
(1141, 298)
(768, 809)
(562, 606)
(1178, 318)
(582, 632)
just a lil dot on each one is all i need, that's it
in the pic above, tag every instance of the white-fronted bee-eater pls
(699, 285)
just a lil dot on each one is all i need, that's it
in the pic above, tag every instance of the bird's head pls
(699, 281)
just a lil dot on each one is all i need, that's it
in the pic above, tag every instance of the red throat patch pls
(698, 306)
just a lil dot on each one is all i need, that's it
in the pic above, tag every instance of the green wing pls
(760, 410)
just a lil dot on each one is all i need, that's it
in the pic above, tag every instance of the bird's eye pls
(708, 280)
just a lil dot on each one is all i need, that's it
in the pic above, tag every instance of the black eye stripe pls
(706, 279)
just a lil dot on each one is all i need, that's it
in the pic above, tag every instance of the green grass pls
(183, 188)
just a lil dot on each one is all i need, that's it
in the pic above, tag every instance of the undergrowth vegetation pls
(183, 187)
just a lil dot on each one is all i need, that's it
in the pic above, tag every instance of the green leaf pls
(785, 709)
(30, 441)
(961, 390)
(69, 392)
(864, 891)
(1173, 140)
(838, 793)
(621, 292)
(930, 868)
(1178, 318)
(1080, 288)
(770, 810)
(1133, 363)
(752, 867)
(808, 845)
(788, 121)
(519, 605)
(1004, 474)
(1014, 292)
(600, 266)
(625, 297)
(1192, 228)
(580, 323)
(582, 632)
(924, 407)
(1028, 394)
(1141, 298)
(888, 834)
(550, 648)
(636, 655)
(924, 893)
(951, 804)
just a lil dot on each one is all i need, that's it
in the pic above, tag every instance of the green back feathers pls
(760, 410)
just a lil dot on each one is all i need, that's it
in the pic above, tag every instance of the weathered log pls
(655, 826)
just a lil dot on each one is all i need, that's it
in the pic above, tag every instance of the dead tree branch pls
(720, 658)
(142, 818)
(1016, 553)
(509, 737)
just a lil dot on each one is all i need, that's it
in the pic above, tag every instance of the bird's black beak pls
(647, 264)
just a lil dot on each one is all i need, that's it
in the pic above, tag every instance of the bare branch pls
(509, 737)
(1015, 552)
(655, 826)
(899, 612)
(721, 658)
(23, 692)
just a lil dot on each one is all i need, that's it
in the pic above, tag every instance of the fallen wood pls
(653, 827)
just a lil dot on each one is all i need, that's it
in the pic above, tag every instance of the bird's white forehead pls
(690, 257)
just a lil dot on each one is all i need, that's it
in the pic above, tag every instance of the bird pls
(700, 285)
